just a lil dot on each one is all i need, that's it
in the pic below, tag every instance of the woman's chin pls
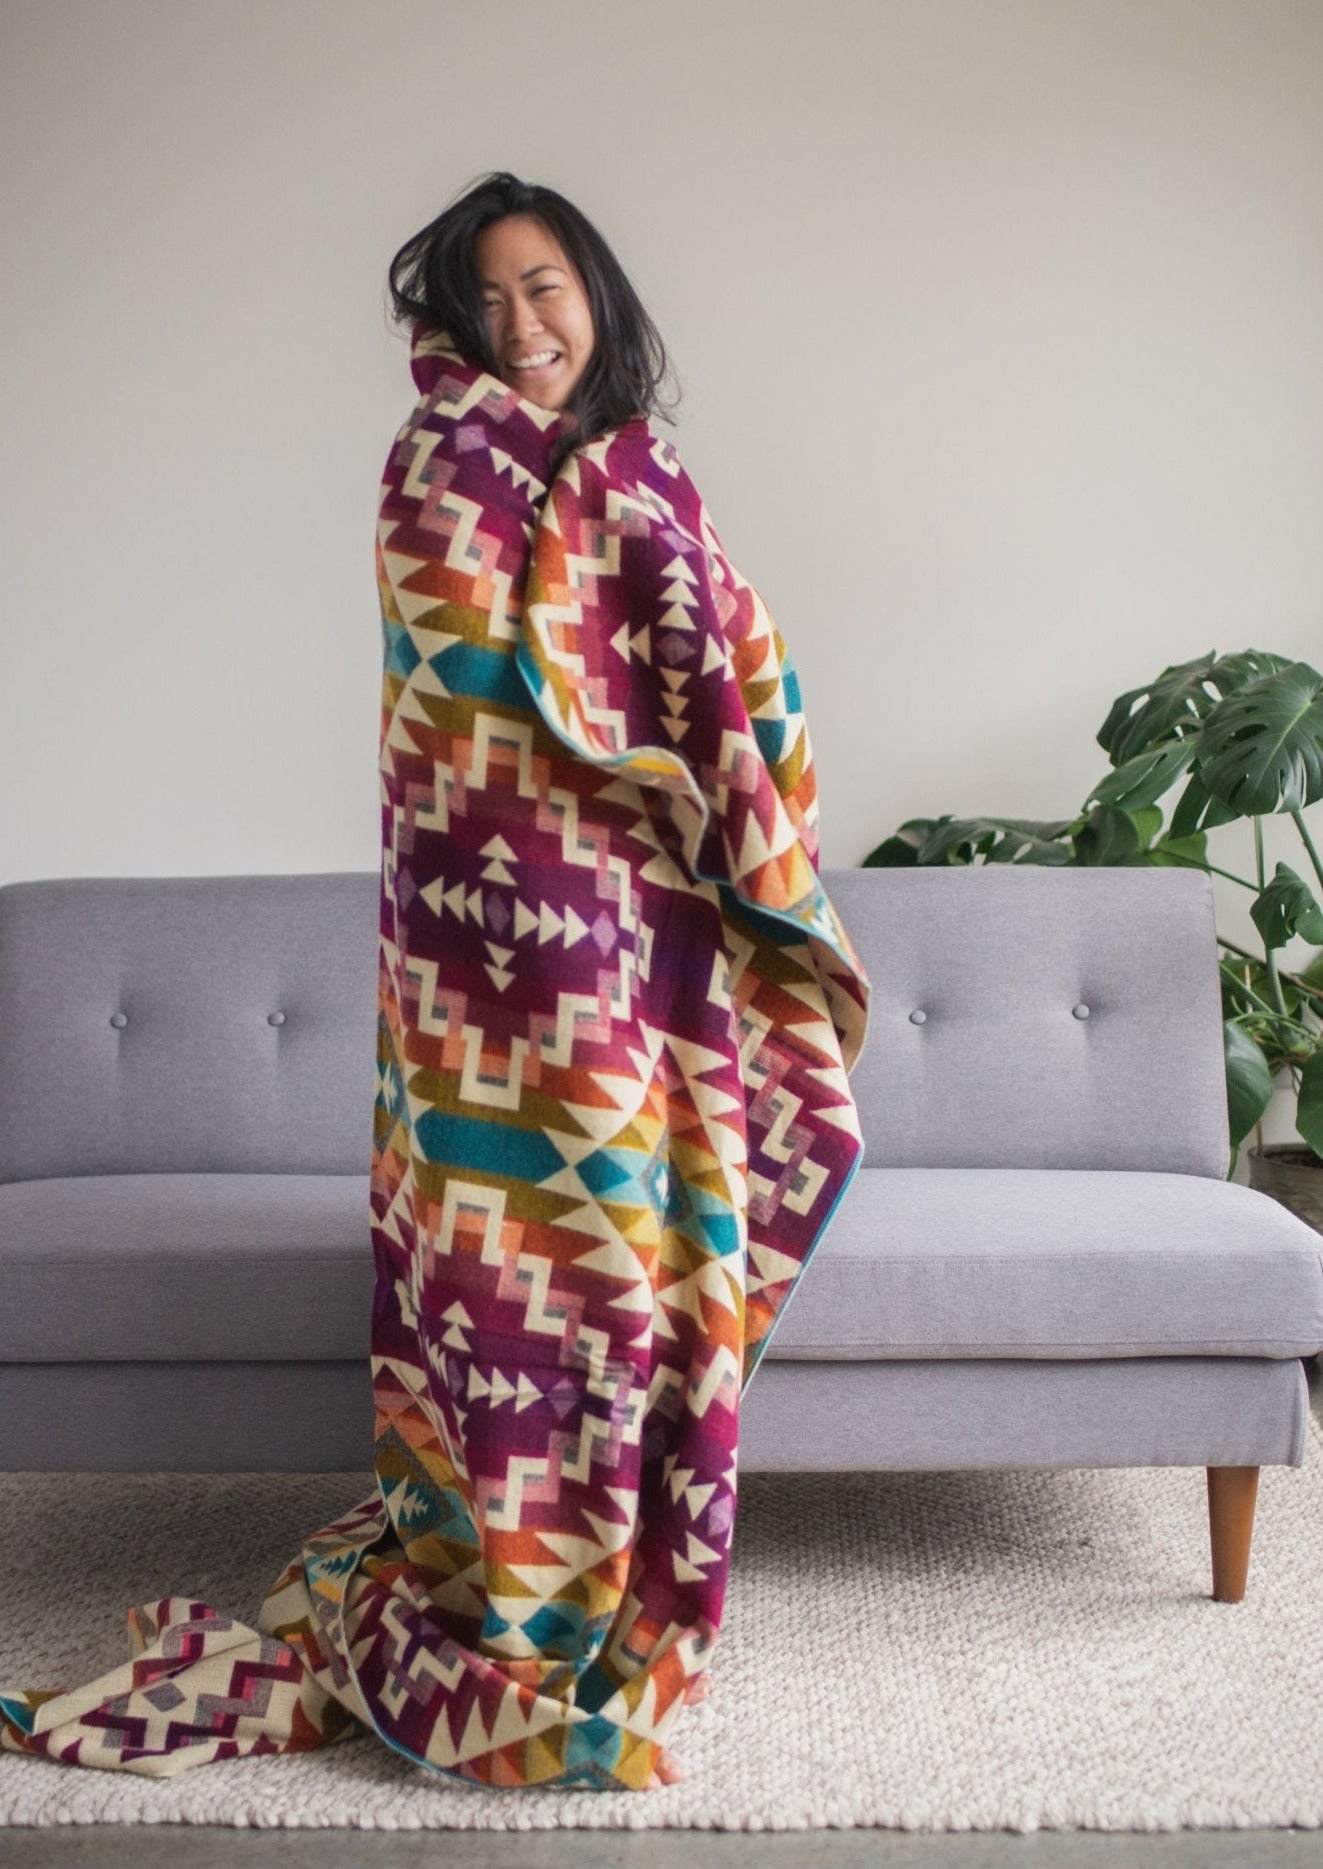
(546, 396)
(543, 398)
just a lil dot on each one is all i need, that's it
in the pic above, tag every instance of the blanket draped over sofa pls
(616, 1016)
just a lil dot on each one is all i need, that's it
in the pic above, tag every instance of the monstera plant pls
(1243, 735)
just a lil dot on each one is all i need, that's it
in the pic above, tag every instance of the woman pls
(510, 263)
(617, 1012)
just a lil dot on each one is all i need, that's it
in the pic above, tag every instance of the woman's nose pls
(523, 317)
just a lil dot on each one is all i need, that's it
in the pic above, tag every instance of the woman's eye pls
(495, 304)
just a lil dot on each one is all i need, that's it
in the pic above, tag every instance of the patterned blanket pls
(616, 1016)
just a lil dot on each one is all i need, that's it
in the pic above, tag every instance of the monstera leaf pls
(1180, 852)
(1231, 672)
(997, 840)
(1249, 1081)
(1198, 811)
(1146, 775)
(1173, 706)
(901, 849)
(1261, 749)
(1111, 836)
(1309, 1104)
(1286, 908)
(1178, 698)
(960, 840)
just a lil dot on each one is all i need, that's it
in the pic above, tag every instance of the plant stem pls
(1243, 986)
(1193, 863)
(1299, 822)
(1311, 993)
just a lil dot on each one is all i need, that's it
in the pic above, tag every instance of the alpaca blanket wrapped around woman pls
(617, 1013)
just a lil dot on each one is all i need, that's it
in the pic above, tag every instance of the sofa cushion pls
(917, 1262)
(164, 1268)
(959, 1262)
(188, 1025)
(1032, 1016)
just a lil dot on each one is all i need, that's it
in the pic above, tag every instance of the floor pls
(197, 1847)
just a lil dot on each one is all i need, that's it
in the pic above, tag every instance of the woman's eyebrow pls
(545, 267)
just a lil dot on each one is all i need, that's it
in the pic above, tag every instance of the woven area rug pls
(936, 1651)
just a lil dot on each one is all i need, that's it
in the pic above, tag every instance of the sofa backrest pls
(196, 1079)
(1000, 1072)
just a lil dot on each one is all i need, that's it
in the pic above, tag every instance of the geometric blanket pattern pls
(617, 1013)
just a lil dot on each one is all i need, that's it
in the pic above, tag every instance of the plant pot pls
(1292, 1174)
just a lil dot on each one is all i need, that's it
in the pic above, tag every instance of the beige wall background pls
(999, 322)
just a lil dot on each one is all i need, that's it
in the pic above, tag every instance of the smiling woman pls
(512, 270)
(616, 1014)
(538, 315)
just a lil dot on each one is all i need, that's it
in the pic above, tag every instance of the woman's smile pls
(539, 365)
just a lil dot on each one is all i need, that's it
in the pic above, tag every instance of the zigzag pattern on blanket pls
(616, 1017)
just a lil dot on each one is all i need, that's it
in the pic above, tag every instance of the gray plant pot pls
(1291, 1174)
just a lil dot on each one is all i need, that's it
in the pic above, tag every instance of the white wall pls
(1000, 322)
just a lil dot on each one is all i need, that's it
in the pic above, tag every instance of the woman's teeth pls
(539, 362)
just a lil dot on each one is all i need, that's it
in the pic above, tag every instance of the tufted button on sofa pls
(1040, 1263)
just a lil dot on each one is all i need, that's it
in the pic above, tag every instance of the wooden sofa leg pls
(1231, 1495)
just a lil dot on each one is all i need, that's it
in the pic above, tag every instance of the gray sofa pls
(1041, 1263)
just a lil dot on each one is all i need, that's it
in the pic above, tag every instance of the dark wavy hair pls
(434, 277)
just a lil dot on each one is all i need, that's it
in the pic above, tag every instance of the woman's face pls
(535, 302)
